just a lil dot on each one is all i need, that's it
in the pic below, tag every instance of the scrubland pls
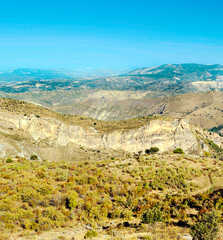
(140, 197)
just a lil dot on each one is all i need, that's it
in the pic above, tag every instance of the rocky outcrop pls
(166, 135)
(49, 132)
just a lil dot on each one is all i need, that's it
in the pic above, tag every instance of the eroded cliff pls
(52, 138)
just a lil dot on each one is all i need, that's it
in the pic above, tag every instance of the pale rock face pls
(67, 134)
(42, 129)
(166, 135)
(204, 146)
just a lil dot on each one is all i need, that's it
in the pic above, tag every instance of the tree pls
(179, 150)
(34, 157)
(152, 150)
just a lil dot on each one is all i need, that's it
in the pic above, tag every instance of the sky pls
(120, 34)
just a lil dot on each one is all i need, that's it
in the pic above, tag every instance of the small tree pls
(179, 150)
(34, 157)
(154, 149)
(147, 151)
(9, 160)
(206, 228)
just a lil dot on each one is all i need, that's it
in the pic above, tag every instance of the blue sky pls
(109, 34)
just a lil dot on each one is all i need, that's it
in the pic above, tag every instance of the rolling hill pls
(176, 90)
(202, 109)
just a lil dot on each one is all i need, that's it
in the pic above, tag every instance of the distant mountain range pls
(26, 74)
(182, 72)
(167, 80)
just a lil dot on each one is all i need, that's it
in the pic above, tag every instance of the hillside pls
(66, 176)
(202, 109)
(73, 177)
(108, 199)
(27, 129)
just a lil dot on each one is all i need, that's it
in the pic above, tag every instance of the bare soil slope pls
(202, 109)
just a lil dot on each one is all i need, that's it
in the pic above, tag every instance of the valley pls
(191, 91)
(202, 109)
(111, 120)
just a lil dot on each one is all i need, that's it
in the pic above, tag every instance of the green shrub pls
(9, 160)
(34, 157)
(90, 234)
(152, 150)
(206, 228)
(152, 216)
(126, 213)
(147, 151)
(179, 150)
(72, 200)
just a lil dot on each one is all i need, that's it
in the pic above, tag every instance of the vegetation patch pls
(40, 196)
(152, 150)
(90, 234)
(206, 228)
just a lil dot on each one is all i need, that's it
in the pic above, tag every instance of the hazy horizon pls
(95, 69)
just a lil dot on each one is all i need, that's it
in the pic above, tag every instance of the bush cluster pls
(152, 216)
(152, 150)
